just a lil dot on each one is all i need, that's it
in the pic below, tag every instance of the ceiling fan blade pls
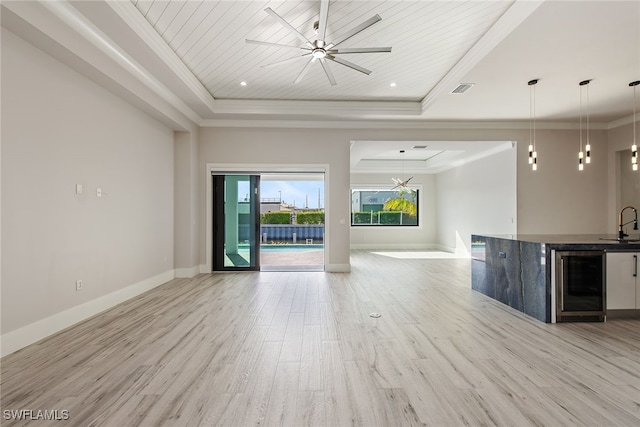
(328, 72)
(348, 64)
(303, 72)
(275, 44)
(274, 64)
(359, 50)
(288, 26)
(322, 20)
(366, 24)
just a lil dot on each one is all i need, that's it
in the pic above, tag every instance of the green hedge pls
(365, 218)
(389, 217)
(316, 217)
(275, 218)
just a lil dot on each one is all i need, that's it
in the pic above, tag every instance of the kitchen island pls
(517, 270)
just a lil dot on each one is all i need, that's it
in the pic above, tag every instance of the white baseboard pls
(445, 248)
(337, 268)
(188, 273)
(329, 268)
(461, 251)
(19, 338)
(395, 246)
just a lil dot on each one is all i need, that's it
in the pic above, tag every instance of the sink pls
(621, 240)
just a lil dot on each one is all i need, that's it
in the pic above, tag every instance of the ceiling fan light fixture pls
(319, 50)
(319, 53)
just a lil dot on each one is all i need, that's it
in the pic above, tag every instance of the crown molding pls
(393, 124)
(73, 19)
(623, 121)
(352, 109)
(134, 19)
(510, 20)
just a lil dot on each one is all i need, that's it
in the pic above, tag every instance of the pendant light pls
(582, 159)
(588, 145)
(400, 183)
(533, 154)
(634, 147)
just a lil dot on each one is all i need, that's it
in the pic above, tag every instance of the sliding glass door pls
(236, 222)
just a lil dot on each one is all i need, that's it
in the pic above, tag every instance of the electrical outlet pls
(78, 285)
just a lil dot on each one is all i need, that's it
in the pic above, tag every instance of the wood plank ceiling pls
(428, 38)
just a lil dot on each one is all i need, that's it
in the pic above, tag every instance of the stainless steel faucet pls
(621, 233)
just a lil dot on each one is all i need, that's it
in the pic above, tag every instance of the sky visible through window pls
(297, 193)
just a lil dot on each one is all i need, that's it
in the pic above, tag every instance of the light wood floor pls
(299, 349)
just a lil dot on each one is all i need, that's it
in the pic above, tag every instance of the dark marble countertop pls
(594, 241)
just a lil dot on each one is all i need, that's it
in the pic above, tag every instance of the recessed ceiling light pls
(243, 83)
(393, 84)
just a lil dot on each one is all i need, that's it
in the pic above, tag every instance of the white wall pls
(476, 198)
(290, 148)
(619, 174)
(58, 130)
(186, 204)
(422, 237)
(629, 181)
(557, 198)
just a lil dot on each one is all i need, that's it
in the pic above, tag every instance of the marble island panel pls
(516, 270)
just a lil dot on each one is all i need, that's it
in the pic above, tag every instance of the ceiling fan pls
(319, 49)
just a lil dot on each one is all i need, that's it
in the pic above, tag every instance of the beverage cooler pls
(580, 286)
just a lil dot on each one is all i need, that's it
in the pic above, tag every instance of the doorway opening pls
(268, 221)
(292, 221)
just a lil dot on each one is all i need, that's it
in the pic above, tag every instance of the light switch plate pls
(78, 188)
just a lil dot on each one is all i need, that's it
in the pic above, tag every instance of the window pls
(384, 207)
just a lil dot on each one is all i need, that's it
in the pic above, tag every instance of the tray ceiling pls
(193, 56)
(428, 38)
(436, 45)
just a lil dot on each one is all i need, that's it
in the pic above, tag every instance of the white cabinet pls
(623, 283)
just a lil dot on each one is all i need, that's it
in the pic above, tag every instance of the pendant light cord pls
(533, 88)
(634, 115)
(530, 115)
(581, 119)
(587, 115)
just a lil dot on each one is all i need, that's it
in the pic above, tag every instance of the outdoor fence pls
(292, 233)
(383, 218)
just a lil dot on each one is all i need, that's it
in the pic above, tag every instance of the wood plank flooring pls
(299, 349)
